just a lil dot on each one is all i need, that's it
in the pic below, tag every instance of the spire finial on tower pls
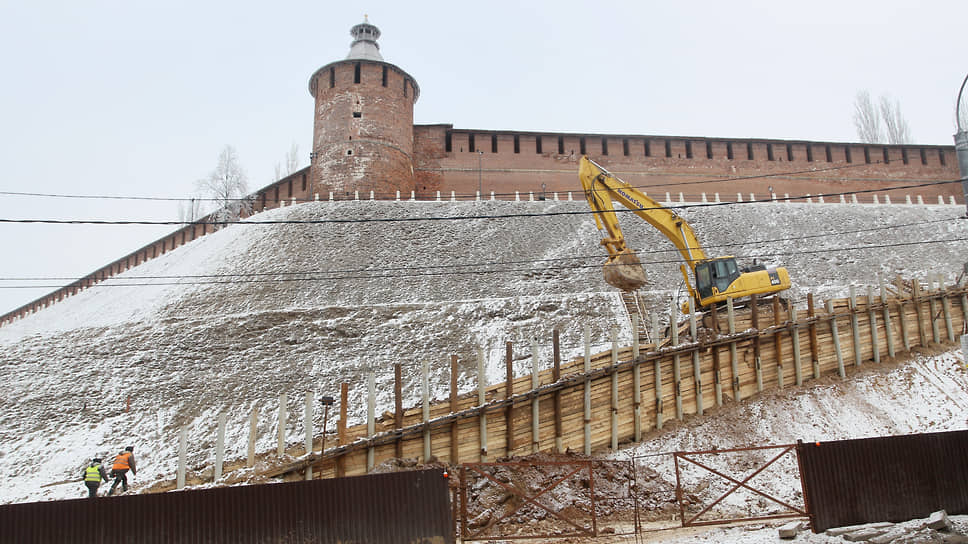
(364, 44)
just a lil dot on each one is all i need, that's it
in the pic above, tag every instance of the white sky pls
(137, 99)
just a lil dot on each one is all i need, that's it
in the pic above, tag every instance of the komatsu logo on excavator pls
(631, 199)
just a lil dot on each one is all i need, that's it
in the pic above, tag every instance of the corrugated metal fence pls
(894, 478)
(402, 507)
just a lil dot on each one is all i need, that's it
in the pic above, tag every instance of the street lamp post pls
(961, 146)
(327, 402)
(480, 174)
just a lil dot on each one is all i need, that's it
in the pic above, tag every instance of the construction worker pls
(93, 475)
(122, 462)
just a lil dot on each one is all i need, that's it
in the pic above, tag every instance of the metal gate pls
(761, 462)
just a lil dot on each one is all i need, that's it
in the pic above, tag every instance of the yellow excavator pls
(716, 278)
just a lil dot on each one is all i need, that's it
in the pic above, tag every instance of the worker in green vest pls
(94, 474)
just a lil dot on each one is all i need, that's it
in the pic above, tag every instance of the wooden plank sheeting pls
(454, 424)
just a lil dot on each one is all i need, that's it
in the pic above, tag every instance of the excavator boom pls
(716, 279)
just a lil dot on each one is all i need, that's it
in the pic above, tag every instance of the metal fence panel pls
(402, 507)
(894, 478)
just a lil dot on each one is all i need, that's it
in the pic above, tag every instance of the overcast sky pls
(138, 98)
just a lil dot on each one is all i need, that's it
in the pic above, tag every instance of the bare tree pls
(228, 187)
(190, 211)
(866, 119)
(895, 125)
(291, 165)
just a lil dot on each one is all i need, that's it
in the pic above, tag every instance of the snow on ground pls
(290, 308)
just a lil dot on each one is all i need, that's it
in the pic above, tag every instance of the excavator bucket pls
(624, 271)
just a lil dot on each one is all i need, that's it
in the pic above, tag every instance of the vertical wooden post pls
(657, 370)
(676, 370)
(777, 343)
(655, 329)
(696, 366)
(341, 434)
(795, 337)
(888, 327)
(398, 406)
(555, 376)
(872, 318)
(308, 427)
(902, 319)
(509, 394)
(946, 308)
(614, 395)
(933, 315)
(835, 334)
(855, 326)
(281, 434)
(481, 400)
(253, 428)
(535, 400)
(219, 447)
(425, 403)
(717, 370)
(916, 295)
(587, 420)
(964, 307)
(454, 408)
(733, 356)
(636, 382)
(182, 458)
(755, 324)
(371, 419)
(814, 344)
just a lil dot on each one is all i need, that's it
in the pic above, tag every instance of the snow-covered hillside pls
(234, 319)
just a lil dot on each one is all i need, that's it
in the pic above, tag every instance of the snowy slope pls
(290, 308)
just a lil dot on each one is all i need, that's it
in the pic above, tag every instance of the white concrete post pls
(253, 428)
(182, 458)
(481, 400)
(219, 447)
(308, 426)
(370, 418)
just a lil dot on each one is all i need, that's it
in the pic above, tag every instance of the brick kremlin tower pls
(363, 122)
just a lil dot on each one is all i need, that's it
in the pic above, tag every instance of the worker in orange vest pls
(122, 462)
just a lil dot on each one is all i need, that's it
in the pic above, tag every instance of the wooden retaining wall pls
(607, 399)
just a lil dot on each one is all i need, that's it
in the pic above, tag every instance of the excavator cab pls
(715, 276)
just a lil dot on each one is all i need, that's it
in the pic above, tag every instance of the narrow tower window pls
(668, 148)
(867, 155)
(789, 152)
(688, 149)
(581, 146)
(904, 155)
(493, 143)
(405, 82)
(332, 77)
(561, 145)
(537, 144)
(648, 148)
(749, 151)
(769, 152)
(470, 143)
(887, 156)
(729, 150)
(384, 76)
(709, 149)
(625, 146)
(826, 150)
(847, 155)
(809, 153)
(517, 143)
(941, 156)
(924, 157)
(604, 146)
(448, 142)
(356, 73)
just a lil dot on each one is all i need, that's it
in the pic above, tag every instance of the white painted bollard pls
(492, 196)
(308, 426)
(530, 196)
(477, 196)
(842, 199)
(940, 199)
(438, 196)
(182, 458)
(316, 197)
(682, 198)
(875, 200)
(372, 195)
(569, 198)
(356, 195)
(281, 436)
(370, 418)
(517, 196)
(331, 196)
(739, 197)
(907, 199)
(820, 199)
(716, 197)
(853, 199)
(887, 199)
(704, 198)
(413, 196)
(920, 200)
(453, 196)
(555, 195)
(219, 447)
(951, 199)
(398, 196)
(809, 199)
(282, 203)
(786, 198)
(752, 197)
(668, 197)
(293, 201)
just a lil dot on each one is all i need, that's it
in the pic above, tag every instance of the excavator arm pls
(716, 279)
